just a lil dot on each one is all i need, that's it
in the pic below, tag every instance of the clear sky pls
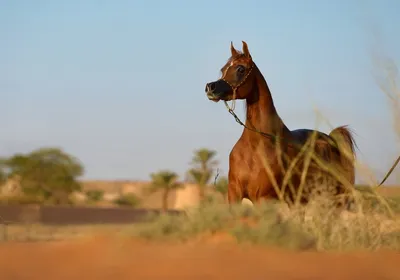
(120, 84)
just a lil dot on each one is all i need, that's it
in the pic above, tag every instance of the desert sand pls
(111, 258)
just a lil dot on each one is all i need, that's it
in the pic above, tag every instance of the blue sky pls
(120, 84)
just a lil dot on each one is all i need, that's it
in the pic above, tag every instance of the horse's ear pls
(245, 49)
(234, 52)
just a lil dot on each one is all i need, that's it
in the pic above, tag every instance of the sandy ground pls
(105, 258)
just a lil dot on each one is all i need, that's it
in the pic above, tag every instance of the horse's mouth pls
(211, 96)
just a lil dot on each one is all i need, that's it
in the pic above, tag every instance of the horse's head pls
(236, 80)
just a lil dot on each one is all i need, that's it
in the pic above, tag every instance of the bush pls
(128, 200)
(94, 195)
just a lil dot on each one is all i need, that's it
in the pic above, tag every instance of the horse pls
(267, 150)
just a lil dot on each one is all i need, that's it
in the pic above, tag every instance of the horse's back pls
(302, 135)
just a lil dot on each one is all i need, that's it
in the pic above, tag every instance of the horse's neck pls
(260, 110)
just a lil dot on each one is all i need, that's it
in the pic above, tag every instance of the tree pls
(221, 186)
(203, 163)
(205, 158)
(166, 181)
(47, 173)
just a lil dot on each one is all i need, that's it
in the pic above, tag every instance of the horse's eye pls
(240, 69)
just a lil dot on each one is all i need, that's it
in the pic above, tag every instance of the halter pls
(235, 88)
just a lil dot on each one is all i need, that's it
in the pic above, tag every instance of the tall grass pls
(317, 226)
(373, 224)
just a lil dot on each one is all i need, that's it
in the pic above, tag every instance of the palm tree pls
(204, 163)
(205, 158)
(221, 186)
(166, 181)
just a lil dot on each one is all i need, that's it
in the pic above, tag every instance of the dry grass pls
(316, 226)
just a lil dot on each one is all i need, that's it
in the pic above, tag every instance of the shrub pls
(94, 195)
(128, 200)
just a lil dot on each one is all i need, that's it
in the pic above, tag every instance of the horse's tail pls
(346, 145)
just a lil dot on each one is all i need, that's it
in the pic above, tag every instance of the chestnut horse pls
(261, 158)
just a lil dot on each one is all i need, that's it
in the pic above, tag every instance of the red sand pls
(105, 258)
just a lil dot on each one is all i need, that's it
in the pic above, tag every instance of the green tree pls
(221, 186)
(166, 181)
(47, 173)
(203, 163)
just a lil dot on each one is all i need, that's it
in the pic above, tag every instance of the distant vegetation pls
(51, 176)
(94, 195)
(127, 200)
(166, 181)
(203, 163)
(46, 175)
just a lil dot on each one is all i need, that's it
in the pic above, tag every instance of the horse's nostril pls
(210, 87)
(213, 86)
